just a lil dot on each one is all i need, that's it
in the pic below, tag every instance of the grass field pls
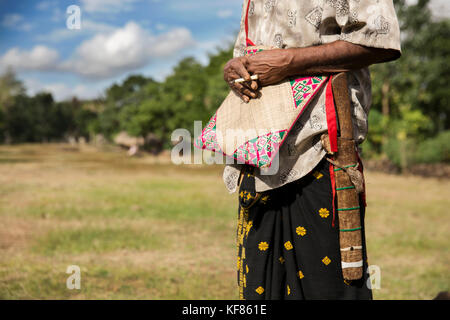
(142, 228)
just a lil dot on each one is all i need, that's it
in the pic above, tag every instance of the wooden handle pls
(343, 107)
(348, 204)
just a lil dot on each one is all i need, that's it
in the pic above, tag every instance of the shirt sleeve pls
(371, 23)
(239, 46)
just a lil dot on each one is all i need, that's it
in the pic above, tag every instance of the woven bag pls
(252, 133)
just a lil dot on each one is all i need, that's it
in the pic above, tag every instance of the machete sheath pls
(348, 184)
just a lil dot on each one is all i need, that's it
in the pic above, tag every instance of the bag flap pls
(238, 122)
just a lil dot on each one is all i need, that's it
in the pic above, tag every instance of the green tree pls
(411, 93)
(10, 87)
(217, 88)
(119, 99)
(183, 95)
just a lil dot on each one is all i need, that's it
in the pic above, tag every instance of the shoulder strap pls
(247, 40)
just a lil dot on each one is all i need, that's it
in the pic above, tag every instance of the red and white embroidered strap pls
(248, 42)
(329, 100)
(331, 116)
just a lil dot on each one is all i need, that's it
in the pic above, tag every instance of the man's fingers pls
(245, 90)
(241, 70)
(246, 85)
(233, 75)
(241, 95)
(249, 93)
(237, 69)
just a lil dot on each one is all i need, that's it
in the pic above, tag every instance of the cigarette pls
(253, 77)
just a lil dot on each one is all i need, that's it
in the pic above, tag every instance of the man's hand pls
(235, 69)
(271, 66)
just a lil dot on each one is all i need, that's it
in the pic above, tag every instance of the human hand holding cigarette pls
(239, 80)
(253, 77)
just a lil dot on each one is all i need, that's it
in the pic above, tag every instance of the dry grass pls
(145, 229)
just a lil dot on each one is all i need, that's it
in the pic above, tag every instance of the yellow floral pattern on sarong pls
(324, 213)
(288, 245)
(317, 175)
(263, 246)
(301, 231)
(249, 226)
(291, 247)
(264, 199)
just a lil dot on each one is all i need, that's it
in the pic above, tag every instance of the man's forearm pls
(338, 56)
(273, 66)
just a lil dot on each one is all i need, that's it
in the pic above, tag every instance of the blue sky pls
(117, 38)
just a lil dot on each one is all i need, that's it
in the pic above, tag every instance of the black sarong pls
(287, 247)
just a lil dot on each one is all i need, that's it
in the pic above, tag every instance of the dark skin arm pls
(273, 66)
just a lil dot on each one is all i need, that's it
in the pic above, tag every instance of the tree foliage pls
(410, 97)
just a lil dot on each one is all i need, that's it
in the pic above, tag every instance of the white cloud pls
(226, 13)
(61, 91)
(88, 27)
(160, 26)
(58, 35)
(16, 21)
(440, 8)
(57, 15)
(202, 6)
(170, 42)
(126, 48)
(46, 4)
(38, 58)
(92, 26)
(107, 6)
(11, 20)
(106, 54)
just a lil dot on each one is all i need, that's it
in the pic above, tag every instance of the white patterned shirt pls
(304, 23)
